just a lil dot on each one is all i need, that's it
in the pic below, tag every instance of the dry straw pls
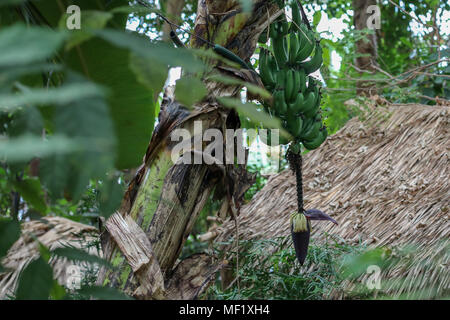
(52, 232)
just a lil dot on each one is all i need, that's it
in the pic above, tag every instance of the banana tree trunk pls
(143, 240)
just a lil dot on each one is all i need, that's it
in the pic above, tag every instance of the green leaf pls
(62, 95)
(353, 265)
(233, 81)
(57, 292)
(21, 45)
(75, 254)
(317, 16)
(111, 195)
(131, 104)
(43, 251)
(26, 147)
(150, 73)
(52, 11)
(92, 19)
(37, 68)
(102, 293)
(158, 51)
(35, 281)
(30, 190)
(256, 116)
(28, 121)
(140, 10)
(87, 121)
(9, 233)
(190, 90)
(11, 2)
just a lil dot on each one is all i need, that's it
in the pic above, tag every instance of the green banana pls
(280, 77)
(314, 144)
(296, 14)
(308, 104)
(284, 72)
(307, 124)
(296, 86)
(302, 75)
(280, 51)
(279, 102)
(308, 46)
(277, 96)
(301, 35)
(272, 65)
(263, 67)
(296, 106)
(273, 33)
(293, 47)
(289, 86)
(270, 69)
(265, 70)
(295, 126)
(282, 108)
(310, 113)
(315, 62)
(312, 132)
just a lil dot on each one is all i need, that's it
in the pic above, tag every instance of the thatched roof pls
(385, 180)
(53, 232)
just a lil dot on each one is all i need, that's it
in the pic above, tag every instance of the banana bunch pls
(285, 69)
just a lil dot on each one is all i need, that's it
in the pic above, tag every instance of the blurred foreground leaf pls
(30, 190)
(35, 281)
(26, 147)
(190, 90)
(62, 95)
(102, 293)
(233, 81)
(259, 117)
(75, 254)
(20, 44)
(9, 233)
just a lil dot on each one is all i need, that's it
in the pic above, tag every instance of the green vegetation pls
(268, 270)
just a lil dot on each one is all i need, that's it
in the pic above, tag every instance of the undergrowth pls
(268, 269)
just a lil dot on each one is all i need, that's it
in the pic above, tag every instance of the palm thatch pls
(52, 232)
(384, 179)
